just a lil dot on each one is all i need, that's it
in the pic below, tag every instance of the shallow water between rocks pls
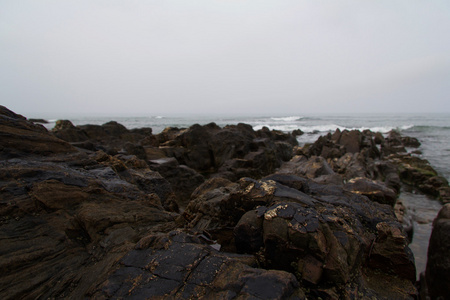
(422, 210)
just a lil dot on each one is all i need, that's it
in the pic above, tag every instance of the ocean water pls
(432, 130)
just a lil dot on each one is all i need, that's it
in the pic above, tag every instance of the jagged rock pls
(297, 132)
(388, 174)
(404, 218)
(183, 179)
(408, 141)
(179, 266)
(438, 264)
(40, 121)
(210, 148)
(375, 191)
(312, 168)
(65, 130)
(19, 137)
(326, 235)
(385, 253)
(209, 185)
(110, 137)
(65, 221)
(98, 221)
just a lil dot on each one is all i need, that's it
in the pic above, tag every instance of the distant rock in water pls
(41, 121)
(100, 211)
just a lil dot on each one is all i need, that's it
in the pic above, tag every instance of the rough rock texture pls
(234, 151)
(92, 211)
(19, 136)
(182, 266)
(185, 156)
(66, 217)
(320, 233)
(438, 264)
(354, 154)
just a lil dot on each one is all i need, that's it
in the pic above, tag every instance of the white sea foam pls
(306, 129)
(383, 129)
(285, 128)
(287, 119)
(325, 128)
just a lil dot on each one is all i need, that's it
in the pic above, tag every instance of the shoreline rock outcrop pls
(437, 274)
(101, 211)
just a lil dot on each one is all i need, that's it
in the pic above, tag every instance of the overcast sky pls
(133, 58)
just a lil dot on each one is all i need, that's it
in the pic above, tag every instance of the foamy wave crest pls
(321, 128)
(325, 128)
(288, 119)
(285, 128)
(406, 127)
(306, 129)
(383, 129)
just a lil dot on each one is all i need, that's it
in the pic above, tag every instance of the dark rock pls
(324, 236)
(313, 167)
(100, 220)
(375, 191)
(385, 253)
(154, 153)
(66, 219)
(438, 264)
(183, 179)
(379, 138)
(137, 150)
(408, 141)
(40, 121)
(432, 185)
(209, 185)
(404, 218)
(113, 128)
(417, 172)
(290, 180)
(297, 132)
(168, 134)
(249, 233)
(351, 140)
(157, 268)
(19, 137)
(388, 173)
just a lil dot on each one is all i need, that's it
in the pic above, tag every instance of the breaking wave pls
(287, 119)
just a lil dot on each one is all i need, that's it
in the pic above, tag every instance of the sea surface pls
(432, 130)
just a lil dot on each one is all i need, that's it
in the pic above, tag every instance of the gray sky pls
(74, 57)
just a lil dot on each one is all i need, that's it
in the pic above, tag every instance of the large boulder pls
(66, 220)
(329, 238)
(235, 151)
(21, 137)
(67, 216)
(313, 167)
(183, 179)
(438, 264)
(110, 137)
(65, 130)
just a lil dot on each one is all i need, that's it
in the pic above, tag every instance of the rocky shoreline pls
(103, 212)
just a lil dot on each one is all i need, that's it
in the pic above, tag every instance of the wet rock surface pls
(178, 265)
(103, 212)
(438, 265)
